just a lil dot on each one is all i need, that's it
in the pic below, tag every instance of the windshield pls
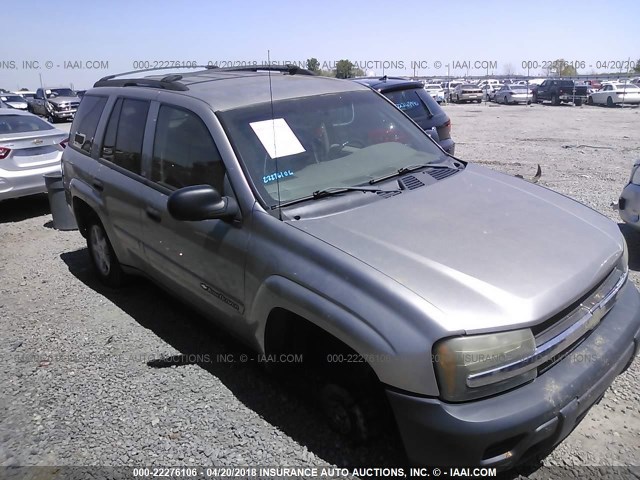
(324, 141)
(62, 92)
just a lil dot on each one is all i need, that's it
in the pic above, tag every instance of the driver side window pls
(184, 153)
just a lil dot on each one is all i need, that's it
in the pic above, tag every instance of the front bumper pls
(15, 184)
(510, 428)
(66, 114)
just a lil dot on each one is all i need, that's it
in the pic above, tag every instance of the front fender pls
(402, 362)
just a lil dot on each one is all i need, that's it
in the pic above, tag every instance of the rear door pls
(120, 180)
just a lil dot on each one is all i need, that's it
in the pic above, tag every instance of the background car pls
(629, 201)
(510, 94)
(467, 92)
(612, 94)
(411, 97)
(14, 101)
(489, 91)
(29, 148)
(436, 91)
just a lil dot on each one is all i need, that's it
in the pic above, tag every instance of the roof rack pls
(169, 82)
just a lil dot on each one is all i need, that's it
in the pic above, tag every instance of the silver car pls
(467, 92)
(29, 148)
(316, 220)
(512, 94)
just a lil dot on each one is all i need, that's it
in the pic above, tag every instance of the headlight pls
(458, 359)
(635, 173)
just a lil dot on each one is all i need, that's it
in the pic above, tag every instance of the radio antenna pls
(273, 126)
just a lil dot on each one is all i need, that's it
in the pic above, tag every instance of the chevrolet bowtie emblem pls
(37, 141)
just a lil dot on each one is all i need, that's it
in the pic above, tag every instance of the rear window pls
(415, 102)
(22, 124)
(566, 83)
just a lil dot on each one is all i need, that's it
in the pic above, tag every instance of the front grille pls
(557, 340)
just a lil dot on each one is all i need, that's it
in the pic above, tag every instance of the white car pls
(436, 91)
(14, 101)
(29, 148)
(612, 94)
(511, 94)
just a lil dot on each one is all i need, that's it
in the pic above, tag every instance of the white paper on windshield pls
(277, 137)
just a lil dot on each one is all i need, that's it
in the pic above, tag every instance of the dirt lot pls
(85, 379)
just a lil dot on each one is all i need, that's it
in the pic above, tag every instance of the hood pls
(488, 250)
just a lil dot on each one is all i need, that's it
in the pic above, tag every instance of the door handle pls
(98, 185)
(154, 214)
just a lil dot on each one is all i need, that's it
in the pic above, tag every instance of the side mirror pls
(200, 202)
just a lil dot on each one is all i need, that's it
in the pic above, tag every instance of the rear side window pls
(86, 121)
(183, 151)
(125, 131)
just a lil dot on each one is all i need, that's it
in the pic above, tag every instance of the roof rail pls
(288, 68)
(143, 82)
(169, 82)
(115, 75)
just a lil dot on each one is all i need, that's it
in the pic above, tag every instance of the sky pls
(76, 43)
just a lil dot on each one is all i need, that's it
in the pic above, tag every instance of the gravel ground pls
(86, 380)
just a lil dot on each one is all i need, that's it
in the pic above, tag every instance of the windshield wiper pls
(407, 169)
(327, 192)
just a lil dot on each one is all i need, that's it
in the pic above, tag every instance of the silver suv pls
(309, 215)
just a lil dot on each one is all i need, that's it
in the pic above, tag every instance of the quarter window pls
(183, 151)
(86, 121)
(125, 132)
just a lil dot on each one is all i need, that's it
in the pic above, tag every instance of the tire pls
(578, 103)
(535, 98)
(345, 415)
(506, 101)
(103, 258)
(479, 101)
(555, 100)
(610, 103)
(51, 118)
(457, 98)
(590, 100)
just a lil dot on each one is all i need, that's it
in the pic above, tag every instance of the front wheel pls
(535, 98)
(103, 258)
(555, 100)
(506, 100)
(609, 102)
(51, 118)
(590, 101)
(344, 414)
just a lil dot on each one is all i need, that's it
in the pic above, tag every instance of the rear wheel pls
(457, 98)
(590, 100)
(103, 258)
(578, 103)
